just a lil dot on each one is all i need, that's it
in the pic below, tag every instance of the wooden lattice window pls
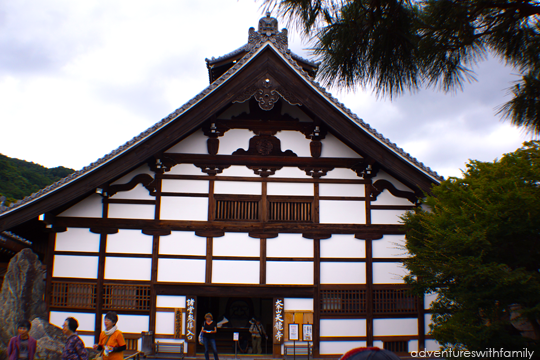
(126, 297)
(343, 301)
(240, 208)
(73, 295)
(290, 210)
(393, 301)
(396, 346)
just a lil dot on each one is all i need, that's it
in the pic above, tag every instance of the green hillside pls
(19, 178)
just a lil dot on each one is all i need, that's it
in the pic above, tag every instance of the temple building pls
(263, 197)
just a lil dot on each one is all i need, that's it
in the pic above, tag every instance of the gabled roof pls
(266, 56)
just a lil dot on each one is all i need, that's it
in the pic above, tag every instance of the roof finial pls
(268, 25)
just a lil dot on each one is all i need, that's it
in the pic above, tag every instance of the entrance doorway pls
(239, 312)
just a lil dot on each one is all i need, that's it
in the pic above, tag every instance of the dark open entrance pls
(239, 311)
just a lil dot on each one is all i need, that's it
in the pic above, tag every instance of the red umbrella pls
(369, 353)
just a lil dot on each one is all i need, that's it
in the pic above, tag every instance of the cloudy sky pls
(80, 78)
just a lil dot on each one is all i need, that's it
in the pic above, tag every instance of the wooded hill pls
(19, 178)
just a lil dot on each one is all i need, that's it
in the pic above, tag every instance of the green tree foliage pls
(19, 178)
(477, 245)
(400, 45)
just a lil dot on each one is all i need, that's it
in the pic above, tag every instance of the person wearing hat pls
(111, 340)
(209, 331)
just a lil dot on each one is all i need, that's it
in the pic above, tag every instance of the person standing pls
(209, 331)
(111, 340)
(74, 349)
(22, 346)
(257, 331)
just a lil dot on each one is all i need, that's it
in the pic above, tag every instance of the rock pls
(50, 339)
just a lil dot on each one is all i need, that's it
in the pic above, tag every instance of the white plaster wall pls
(143, 169)
(342, 173)
(429, 299)
(170, 301)
(77, 239)
(185, 186)
(289, 272)
(184, 208)
(181, 270)
(389, 246)
(91, 207)
(294, 141)
(395, 327)
(164, 323)
(298, 304)
(343, 327)
(235, 272)
(427, 322)
(120, 268)
(290, 172)
(182, 243)
(413, 345)
(139, 192)
(326, 189)
(388, 273)
(233, 140)
(386, 198)
(289, 245)
(382, 175)
(432, 345)
(185, 169)
(193, 144)
(238, 187)
(238, 170)
(343, 246)
(296, 189)
(132, 324)
(339, 347)
(69, 266)
(236, 244)
(391, 217)
(129, 242)
(87, 340)
(343, 273)
(86, 321)
(131, 211)
(333, 147)
(342, 212)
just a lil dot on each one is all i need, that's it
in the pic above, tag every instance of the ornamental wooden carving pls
(267, 92)
(264, 145)
(380, 185)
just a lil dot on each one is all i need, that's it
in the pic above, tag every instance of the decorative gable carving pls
(267, 92)
(264, 145)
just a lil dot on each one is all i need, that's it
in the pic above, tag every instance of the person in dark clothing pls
(74, 349)
(209, 331)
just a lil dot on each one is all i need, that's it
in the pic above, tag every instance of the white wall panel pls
(181, 270)
(382, 175)
(395, 327)
(298, 304)
(343, 246)
(289, 272)
(77, 239)
(413, 345)
(132, 323)
(193, 144)
(326, 189)
(236, 244)
(429, 299)
(185, 169)
(342, 212)
(333, 147)
(339, 347)
(88, 340)
(170, 301)
(289, 245)
(290, 172)
(131, 211)
(182, 243)
(184, 208)
(185, 186)
(294, 141)
(143, 169)
(391, 217)
(69, 266)
(386, 198)
(139, 192)
(129, 242)
(120, 268)
(432, 345)
(295, 189)
(91, 207)
(389, 246)
(388, 273)
(343, 327)
(235, 272)
(87, 321)
(164, 323)
(233, 140)
(342, 173)
(343, 273)
(237, 170)
(238, 187)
